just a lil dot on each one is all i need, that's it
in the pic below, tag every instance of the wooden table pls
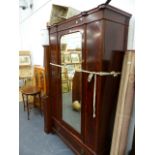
(32, 91)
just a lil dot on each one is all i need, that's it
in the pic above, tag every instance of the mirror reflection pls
(71, 58)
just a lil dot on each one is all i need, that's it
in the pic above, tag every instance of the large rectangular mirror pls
(71, 59)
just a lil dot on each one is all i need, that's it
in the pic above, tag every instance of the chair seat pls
(30, 90)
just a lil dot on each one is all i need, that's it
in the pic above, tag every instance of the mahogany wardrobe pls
(83, 68)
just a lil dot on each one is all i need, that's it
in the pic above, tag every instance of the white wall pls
(33, 21)
(30, 30)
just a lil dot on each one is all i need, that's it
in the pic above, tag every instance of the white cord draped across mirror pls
(91, 74)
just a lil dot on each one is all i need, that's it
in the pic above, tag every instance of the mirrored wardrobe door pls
(71, 59)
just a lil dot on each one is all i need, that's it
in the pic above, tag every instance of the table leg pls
(34, 101)
(40, 103)
(27, 104)
(23, 101)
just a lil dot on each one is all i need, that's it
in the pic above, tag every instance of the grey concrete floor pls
(32, 138)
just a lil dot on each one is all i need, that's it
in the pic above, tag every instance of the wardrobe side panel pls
(114, 40)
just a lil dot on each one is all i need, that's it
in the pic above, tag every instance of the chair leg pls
(23, 101)
(40, 103)
(27, 104)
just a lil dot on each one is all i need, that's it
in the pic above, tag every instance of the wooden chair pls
(37, 90)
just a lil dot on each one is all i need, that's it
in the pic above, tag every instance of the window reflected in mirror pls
(71, 59)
